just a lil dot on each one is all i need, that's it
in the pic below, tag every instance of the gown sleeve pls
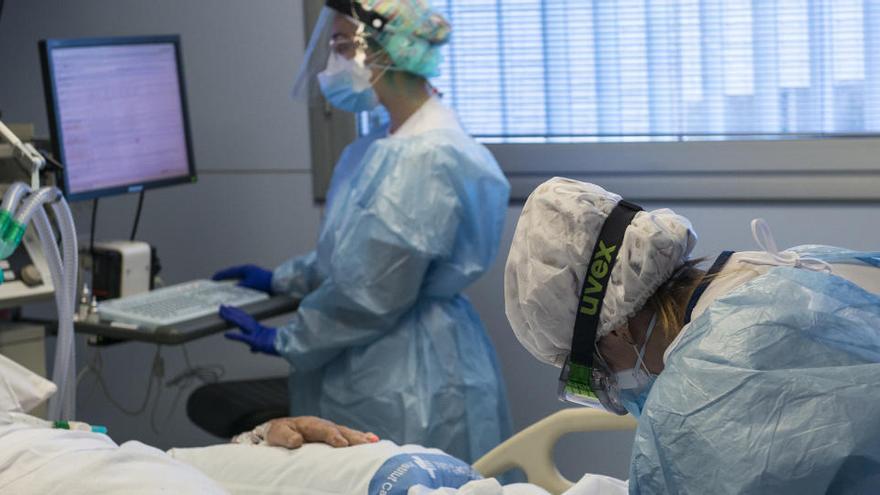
(296, 277)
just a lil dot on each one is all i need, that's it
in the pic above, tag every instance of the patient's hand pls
(292, 433)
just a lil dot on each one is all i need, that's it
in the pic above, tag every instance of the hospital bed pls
(531, 450)
(40, 460)
(228, 408)
(37, 459)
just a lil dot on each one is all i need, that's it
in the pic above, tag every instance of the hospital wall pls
(253, 201)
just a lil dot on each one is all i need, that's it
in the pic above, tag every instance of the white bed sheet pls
(49, 461)
(378, 469)
(36, 459)
(382, 468)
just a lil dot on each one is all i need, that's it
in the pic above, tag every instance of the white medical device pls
(121, 269)
(178, 303)
(26, 276)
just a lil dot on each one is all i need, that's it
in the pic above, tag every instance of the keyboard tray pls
(187, 331)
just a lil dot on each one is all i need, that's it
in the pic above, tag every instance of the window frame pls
(330, 130)
(833, 169)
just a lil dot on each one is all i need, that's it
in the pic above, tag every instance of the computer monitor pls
(118, 114)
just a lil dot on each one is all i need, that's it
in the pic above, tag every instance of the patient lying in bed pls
(35, 458)
(38, 459)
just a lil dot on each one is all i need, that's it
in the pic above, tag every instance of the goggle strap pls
(595, 285)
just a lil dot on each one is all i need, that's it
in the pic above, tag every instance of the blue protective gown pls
(383, 340)
(774, 389)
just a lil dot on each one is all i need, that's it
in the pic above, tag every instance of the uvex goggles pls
(586, 378)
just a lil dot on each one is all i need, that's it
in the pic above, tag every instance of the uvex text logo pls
(597, 276)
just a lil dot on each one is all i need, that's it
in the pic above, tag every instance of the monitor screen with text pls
(119, 116)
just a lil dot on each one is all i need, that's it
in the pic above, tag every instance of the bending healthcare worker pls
(383, 340)
(758, 375)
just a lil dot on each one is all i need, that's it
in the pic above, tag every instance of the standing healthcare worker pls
(383, 340)
(758, 375)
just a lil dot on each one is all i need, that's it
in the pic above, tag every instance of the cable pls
(183, 381)
(137, 217)
(94, 222)
(156, 371)
(211, 373)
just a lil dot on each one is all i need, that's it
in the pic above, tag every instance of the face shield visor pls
(586, 378)
(404, 36)
(337, 39)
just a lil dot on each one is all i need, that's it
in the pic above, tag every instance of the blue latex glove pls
(250, 276)
(260, 338)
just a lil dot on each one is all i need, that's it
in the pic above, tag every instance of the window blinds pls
(603, 70)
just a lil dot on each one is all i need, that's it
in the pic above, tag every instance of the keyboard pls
(178, 303)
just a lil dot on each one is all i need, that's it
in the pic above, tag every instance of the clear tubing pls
(64, 273)
(13, 196)
(34, 202)
(53, 259)
(70, 252)
(63, 404)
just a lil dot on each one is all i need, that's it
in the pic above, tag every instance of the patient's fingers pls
(292, 433)
(355, 437)
(283, 433)
(319, 430)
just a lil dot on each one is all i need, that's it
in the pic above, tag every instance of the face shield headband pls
(586, 378)
(356, 11)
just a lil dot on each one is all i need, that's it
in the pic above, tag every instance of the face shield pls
(376, 36)
(306, 87)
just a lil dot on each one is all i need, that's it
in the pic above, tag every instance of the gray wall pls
(253, 200)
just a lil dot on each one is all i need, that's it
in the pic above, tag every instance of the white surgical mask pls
(634, 384)
(347, 84)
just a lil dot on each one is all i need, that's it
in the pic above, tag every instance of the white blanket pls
(21, 389)
(49, 461)
(382, 468)
(36, 459)
(378, 469)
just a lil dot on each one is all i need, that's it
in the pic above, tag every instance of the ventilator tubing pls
(13, 196)
(13, 222)
(63, 268)
(65, 300)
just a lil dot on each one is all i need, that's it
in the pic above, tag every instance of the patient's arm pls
(292, 433)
